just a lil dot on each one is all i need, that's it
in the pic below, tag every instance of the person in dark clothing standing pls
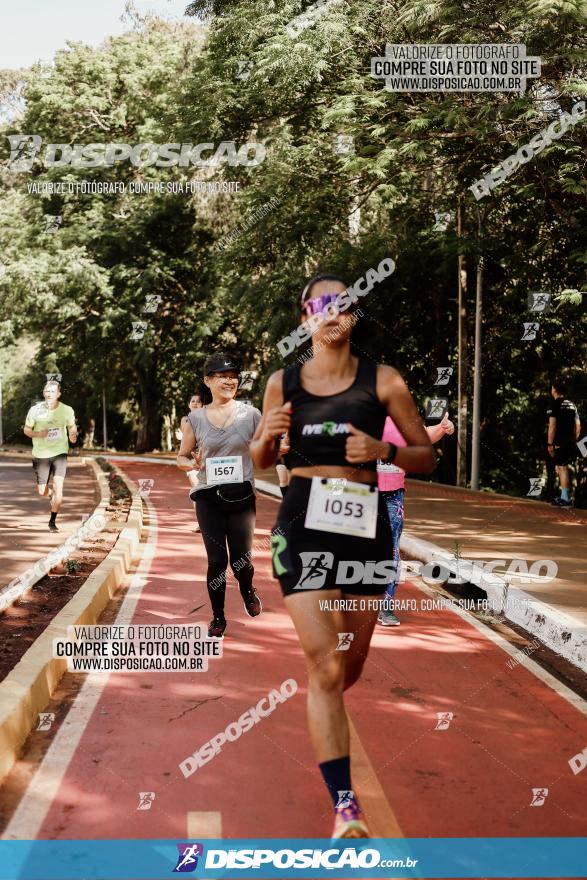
(564, 428)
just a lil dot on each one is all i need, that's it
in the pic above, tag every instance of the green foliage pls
(118, 488)
(415, 154)
(72, 566)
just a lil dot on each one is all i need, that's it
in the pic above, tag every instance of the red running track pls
(511, 732)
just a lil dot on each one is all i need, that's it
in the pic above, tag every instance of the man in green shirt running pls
(50, 424)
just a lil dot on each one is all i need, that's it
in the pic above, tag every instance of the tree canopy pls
(353, 173)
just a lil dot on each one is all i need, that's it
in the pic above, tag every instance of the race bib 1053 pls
(351, 509)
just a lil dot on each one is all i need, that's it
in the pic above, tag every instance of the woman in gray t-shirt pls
(225, 492)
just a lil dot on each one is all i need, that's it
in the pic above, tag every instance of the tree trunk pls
(149, 430)
(89, 436)
(104, 417)
(462, 403)
(476, 438)
(167, 422)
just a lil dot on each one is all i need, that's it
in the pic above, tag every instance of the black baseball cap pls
(220, 363)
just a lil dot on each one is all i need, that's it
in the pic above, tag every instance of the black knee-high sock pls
(53, 516)
(337, 776)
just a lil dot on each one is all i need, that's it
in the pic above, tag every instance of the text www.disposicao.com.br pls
(136, 664)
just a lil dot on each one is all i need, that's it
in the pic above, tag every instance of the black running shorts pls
(45, 468)
(307, 559)
(565, 454)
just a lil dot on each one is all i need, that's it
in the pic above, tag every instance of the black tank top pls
(319, 425)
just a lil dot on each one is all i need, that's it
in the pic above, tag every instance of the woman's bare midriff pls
(348, 473)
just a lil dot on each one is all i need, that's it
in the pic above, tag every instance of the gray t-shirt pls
(215, 442)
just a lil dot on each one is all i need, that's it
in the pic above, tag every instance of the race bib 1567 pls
(227, 469)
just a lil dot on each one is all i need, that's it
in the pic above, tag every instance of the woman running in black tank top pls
(332, 535)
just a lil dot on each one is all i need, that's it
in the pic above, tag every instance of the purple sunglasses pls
(319, 303)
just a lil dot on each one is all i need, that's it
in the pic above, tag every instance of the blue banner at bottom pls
(510, 857)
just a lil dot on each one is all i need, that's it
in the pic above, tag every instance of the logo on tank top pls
(328, 428)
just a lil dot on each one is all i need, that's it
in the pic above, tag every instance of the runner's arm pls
(72, 430)
(577, 427)
(29, 425)
(275, 421)
(551, 430)
(418, 457)
(188, 441)
(195, 454)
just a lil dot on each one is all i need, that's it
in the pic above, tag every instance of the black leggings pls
(226, 522)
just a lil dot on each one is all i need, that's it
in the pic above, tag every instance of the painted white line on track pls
(381, 819)
(36, 802)
(557, 686)
(206, 825)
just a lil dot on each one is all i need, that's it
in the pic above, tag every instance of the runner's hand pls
(284, 445)
(42, 433)
(277, 421)
(360, 447)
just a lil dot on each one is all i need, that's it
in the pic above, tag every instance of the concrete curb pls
(268, 488)
(29, 687)
(12, 591)
(556, 630)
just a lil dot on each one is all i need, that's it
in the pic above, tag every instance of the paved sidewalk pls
(24, 536)
(490, 526)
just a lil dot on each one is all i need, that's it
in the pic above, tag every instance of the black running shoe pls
(560, 502)
(252, 603)
(53, 527)
(216, 628)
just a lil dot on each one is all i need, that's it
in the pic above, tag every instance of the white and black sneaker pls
(388, 618)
